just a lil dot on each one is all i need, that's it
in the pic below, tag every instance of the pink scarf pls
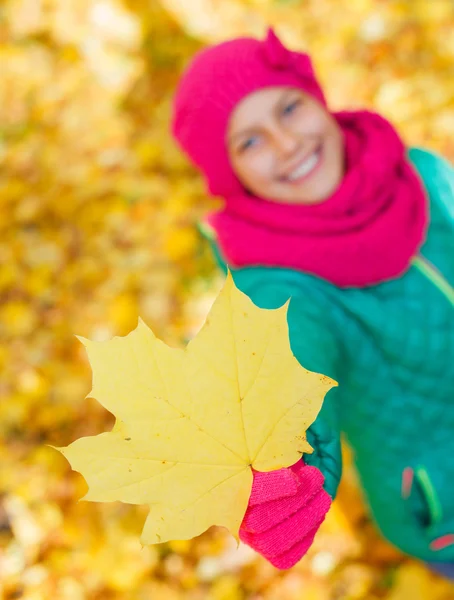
(366, 233)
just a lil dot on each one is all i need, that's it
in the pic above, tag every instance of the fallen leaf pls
(191, 423)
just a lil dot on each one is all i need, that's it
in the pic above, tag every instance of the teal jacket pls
(391, 348)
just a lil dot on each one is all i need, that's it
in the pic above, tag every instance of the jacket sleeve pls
(316, 347)
(438, 176)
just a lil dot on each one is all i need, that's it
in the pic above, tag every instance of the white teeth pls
(304, 168)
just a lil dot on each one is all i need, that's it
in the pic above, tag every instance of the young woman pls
(334, 212)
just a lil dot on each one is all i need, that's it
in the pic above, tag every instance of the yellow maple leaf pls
(191, 423)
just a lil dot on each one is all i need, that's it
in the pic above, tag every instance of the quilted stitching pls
(396, 367)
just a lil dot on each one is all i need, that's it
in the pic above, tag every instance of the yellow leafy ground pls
(97, 227)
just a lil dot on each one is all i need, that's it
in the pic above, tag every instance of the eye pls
(291, 107)
(248, 143)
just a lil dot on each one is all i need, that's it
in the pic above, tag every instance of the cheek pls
(336, 142)
(317, 125)
(311, 124)
(255, 169)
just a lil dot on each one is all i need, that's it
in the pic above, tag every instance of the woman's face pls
(285, 146)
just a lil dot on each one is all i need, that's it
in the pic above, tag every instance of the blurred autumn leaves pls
(98, 209)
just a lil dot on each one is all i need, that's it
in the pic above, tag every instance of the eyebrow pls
(250, 130)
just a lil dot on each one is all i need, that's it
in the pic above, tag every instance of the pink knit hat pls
(216, 80)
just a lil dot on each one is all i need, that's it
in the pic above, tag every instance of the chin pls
(301, 196)
(321, 195)
(309, 200)
(314, 201)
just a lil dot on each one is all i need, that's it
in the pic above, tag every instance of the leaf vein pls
(167, 401)
(238, 375)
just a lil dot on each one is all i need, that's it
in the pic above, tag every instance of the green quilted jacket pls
(391, 348)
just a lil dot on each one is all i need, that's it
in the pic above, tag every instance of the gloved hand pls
(285, 510)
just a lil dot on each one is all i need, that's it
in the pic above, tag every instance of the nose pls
(285, 141)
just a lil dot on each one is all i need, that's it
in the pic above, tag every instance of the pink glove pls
(285, 510)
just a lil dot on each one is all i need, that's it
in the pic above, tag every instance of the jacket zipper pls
(435, 277)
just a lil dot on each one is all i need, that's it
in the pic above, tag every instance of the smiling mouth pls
(304, 169)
